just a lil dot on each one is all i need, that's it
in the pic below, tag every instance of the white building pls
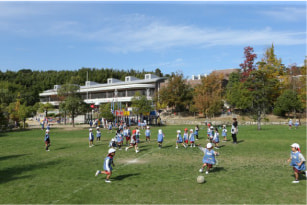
(114, 90)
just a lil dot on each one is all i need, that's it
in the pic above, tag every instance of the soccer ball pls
(200, 179)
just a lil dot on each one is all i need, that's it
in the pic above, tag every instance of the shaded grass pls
(253, 172)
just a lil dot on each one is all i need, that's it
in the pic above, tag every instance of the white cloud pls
(289, 14)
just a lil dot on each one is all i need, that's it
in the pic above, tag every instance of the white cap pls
(178, 131)
(147, 127)
(111, 150)
(209, 145)
(191, 130)
(47, 131)
(160, 131)
(211, 127)
(90, 129)
(97, 127)
(295, 145)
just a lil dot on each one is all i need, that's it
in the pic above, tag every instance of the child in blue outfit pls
(98, 134)
(209, 157)
(147, 134)
(192, 138)
(107, 165)
(224, 133)
(91, 138)
(297, 161)
(160, 138)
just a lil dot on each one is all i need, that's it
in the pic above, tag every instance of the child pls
(147, 134)
(160, 138)
(208, 133)
(192, 138)
(296, 124)
(179, 139)
(98, 134)
(297, 161)
(196, 131)
(107, 165)
(125, 133)
(224, 133)
(211, 134)
(209, 157)
(290, 124)
(216, 138)
(47, 140)
(110, 127)
(120, 138)
(186, 136)
(91, 138)
(113, 142)
(133, 142)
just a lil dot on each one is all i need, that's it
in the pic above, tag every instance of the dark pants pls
(234, 138)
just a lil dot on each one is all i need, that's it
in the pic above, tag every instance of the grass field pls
(254, 171)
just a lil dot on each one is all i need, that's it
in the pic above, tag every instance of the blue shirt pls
(47, 137)
(107, 165)
(192, 137)
(295, 160)
(209, 156)
(160, 137)
(179, 138)
(147, 133)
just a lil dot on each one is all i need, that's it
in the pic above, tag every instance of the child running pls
(160, 138)
(133, 142)
(192, 138)
(47, 141)
(107, 165)
(224, 133)
(147, 134)
(91, 138)
(120, 139)
(297, 161)
(209, 157)
(179, 140)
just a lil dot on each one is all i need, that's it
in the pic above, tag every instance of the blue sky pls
(191, 37)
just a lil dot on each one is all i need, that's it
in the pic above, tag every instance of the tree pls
(141, 104)
(208, 95)
(105, 111)
(73, 103)
(176, 93)
(288, 102)
(248, 65)
(260, 97)
(45, 107)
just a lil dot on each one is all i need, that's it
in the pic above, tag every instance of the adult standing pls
(234, 130)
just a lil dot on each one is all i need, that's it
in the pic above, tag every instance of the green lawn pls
(254, 171)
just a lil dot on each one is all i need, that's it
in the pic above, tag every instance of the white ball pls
(200, 179)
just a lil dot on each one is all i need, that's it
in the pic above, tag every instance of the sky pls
(189, 37)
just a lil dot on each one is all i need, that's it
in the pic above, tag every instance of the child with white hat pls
(147, 134)
(297, 161)
(192, 138)
(107, 165)
(160, 138)
(90, 138)
(209, 157)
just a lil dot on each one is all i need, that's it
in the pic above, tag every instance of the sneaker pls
(295, 182)
(126, 148)
(176, 147)
(207, 172)
(136, 151)
(107, 181)
(201, 170)
(97, 173)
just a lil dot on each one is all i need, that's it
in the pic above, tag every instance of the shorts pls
(186, 141)
(192, 142)
(296, 170)
(209, 165)
(47, 142)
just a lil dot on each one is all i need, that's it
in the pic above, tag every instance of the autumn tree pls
(248, 65)
(208, 95)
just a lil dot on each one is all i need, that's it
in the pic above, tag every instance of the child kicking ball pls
(107, 165)
(209, 157)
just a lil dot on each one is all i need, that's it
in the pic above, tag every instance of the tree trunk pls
(73, 120)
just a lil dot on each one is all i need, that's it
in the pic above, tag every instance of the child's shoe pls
(176, 147)
(97, 173)
(201, 170)
(296, 182)
(107, 181)
(126, 148)
(207, 172)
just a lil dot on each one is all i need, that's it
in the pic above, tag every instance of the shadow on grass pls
(123, 176)
(12, 156)
(218, 169)
(11, 173)
(240, 141)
